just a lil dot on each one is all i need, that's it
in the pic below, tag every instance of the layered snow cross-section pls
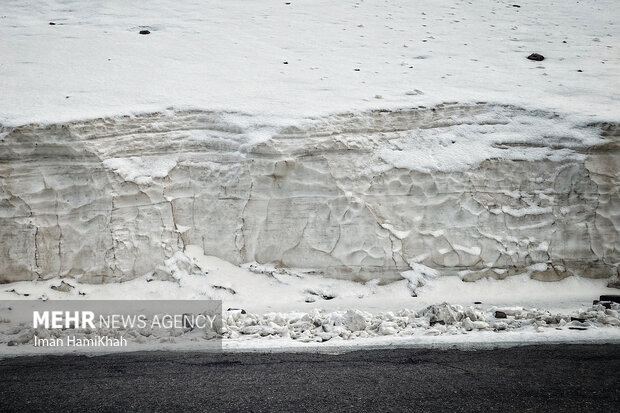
(477, 189)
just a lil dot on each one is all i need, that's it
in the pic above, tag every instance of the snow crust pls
(307, 58)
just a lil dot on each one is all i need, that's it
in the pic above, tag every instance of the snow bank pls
(261, 289)
(485, 188)
(268, 308)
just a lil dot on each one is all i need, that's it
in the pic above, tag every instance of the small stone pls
(356, 69)
(52, 24)
(563, 41)
(284, 63)
(536, 57)
(579, 70)
(516, 5)
(500, 314)
(12, 343)
(145, 32)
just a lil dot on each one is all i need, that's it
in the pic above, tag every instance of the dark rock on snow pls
(536, 57)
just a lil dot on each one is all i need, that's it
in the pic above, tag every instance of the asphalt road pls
(578, 378)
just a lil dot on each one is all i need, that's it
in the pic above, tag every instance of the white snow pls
(229, 56)
(495, 134)
(530, 210)
(267, 308)
(262, 289)
(143, 169)
(266, 64)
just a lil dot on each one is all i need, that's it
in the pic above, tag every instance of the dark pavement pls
(577, 378)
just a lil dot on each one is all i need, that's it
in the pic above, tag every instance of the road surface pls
(578, 378)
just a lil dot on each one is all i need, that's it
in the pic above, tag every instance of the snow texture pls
(483, 188)
(307, 58)
(267, 308)
(362, 140)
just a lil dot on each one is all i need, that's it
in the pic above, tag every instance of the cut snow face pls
(141, 170)
(456, 187)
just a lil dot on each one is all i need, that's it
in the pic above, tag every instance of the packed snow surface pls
(266, 308)
(306, 58)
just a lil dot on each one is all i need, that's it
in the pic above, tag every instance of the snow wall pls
(481, 190)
